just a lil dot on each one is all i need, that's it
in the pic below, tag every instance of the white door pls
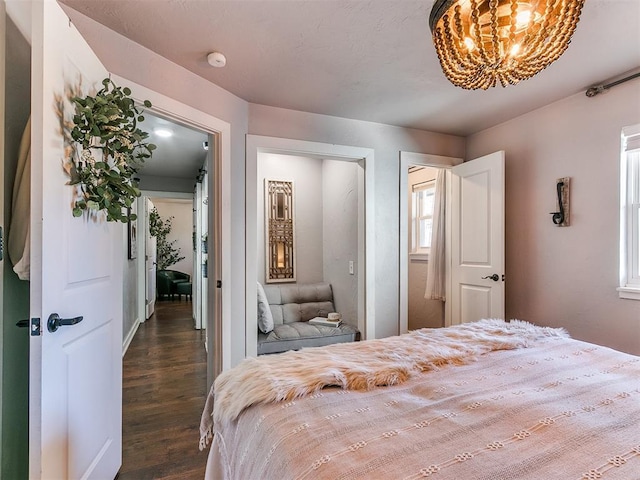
(151, 258)
(75, 411)
(477, 239)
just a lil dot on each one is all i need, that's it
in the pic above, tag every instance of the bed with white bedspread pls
(483, 401)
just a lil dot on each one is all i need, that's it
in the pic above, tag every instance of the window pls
(630, 214)
(422, 217)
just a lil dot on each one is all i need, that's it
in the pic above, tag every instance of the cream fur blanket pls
(358, 365)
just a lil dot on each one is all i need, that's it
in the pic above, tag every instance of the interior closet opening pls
(359, 286)
(326, 201)
(15, 108)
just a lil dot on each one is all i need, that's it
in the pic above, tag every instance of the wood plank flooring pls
(164, 388)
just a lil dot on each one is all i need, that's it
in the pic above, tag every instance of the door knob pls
(54, 322)
(493, 277)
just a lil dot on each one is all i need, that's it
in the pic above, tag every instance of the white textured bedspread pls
(560, 409)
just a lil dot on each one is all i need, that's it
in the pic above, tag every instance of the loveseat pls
(290, 307)
(167, 282)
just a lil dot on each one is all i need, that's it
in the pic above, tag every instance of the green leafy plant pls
(166, 252)
(113, 150)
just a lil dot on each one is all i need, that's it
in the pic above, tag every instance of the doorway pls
(258, 145)
(218, 216)
(422, 311)
(417, 170)
(324, 234)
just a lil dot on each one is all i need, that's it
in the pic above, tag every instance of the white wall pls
(340, 234)
(306, 174)
(567, 276)
(422, 313)
(181, 229)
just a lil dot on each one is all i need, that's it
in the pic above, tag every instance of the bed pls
(488, 400)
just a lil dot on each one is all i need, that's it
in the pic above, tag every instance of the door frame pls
(3, 34)
(425, 160)
(257, 144)
(219, 349)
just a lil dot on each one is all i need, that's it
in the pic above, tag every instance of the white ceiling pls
(367, 60)
(179, 156)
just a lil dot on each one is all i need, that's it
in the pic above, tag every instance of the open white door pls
(477, 239)
(151, 258)
(75, 424)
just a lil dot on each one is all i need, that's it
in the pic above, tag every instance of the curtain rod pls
(593, 91)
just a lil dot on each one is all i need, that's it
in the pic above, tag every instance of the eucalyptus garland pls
(113, 150)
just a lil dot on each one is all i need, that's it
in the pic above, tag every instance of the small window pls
(422, 217)
(630, 214)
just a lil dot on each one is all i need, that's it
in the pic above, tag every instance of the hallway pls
(164, 383)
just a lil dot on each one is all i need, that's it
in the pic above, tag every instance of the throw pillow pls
(265, 318)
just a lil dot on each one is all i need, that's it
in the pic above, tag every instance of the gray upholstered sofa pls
(291, 306)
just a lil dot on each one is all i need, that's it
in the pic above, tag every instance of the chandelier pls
(481, 42)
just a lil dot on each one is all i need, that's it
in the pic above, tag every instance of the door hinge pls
(35, 327)
(1, 244)
(219, 284)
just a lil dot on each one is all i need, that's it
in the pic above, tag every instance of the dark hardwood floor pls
(164, 383)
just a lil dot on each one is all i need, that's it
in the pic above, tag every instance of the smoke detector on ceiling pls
(216, 59)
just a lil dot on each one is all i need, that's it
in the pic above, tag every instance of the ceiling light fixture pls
(163, 132)
(482, 42)
(216, 59)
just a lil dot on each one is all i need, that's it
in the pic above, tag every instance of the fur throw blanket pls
(359, 365)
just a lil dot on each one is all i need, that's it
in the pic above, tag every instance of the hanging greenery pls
(113, 150)
(166, 252)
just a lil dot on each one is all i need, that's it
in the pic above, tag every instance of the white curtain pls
(436, 266)
(18, 241)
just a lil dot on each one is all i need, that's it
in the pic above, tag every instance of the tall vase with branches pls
(167, 253)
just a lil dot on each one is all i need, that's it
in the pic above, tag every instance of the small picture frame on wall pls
(132, 236)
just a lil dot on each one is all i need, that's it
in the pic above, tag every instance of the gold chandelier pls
(481, 42)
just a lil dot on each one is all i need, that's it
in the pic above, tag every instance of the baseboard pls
(130, 335)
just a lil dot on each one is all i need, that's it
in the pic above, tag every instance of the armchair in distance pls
(172, 282)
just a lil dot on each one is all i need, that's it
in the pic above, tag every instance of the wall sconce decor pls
(561, 217)
(280, 233)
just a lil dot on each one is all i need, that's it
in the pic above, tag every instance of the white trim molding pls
(130, 335)
(629, 285)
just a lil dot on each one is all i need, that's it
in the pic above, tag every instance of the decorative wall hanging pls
(561, 217)
(105, 149)
(279, 231)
